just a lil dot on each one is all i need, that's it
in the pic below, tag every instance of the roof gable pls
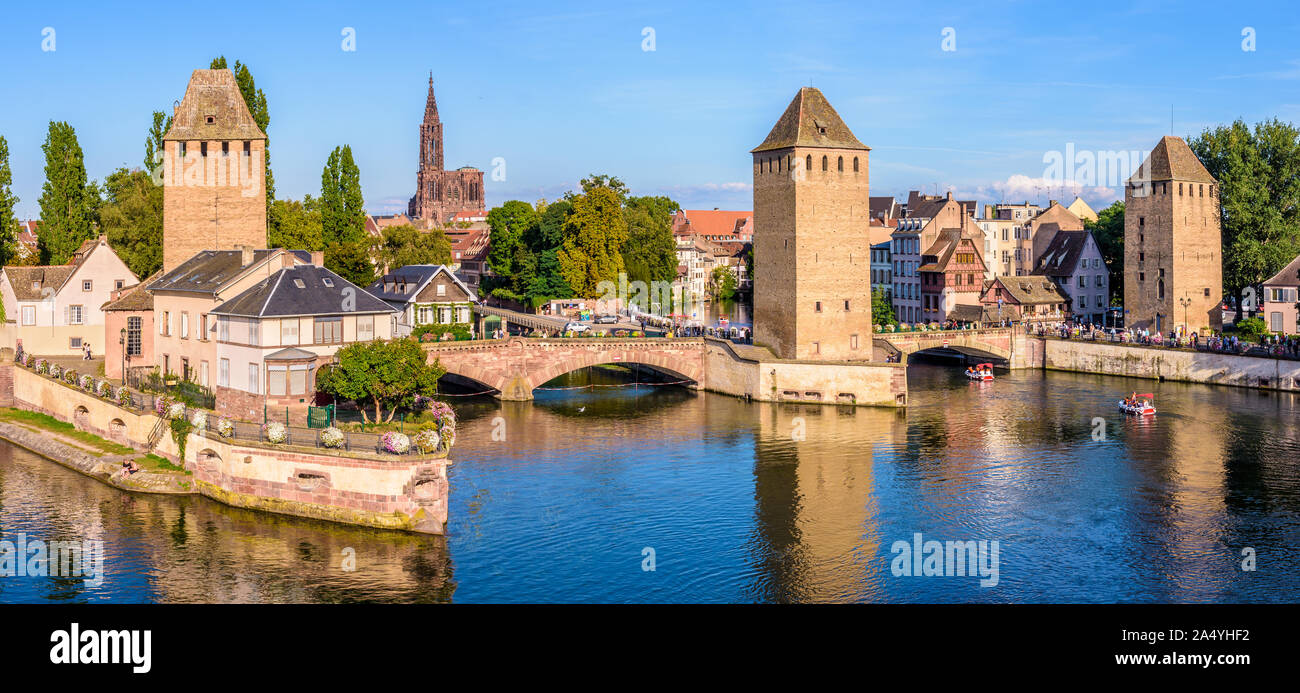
(810, 121)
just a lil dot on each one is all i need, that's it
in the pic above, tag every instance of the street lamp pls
(1185, 302)
(121, 340)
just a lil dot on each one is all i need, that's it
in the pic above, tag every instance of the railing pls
(1214, 345)
(308, 437)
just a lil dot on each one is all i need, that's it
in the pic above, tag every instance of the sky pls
(976, 98)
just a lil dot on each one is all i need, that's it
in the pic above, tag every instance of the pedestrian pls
(85, 351)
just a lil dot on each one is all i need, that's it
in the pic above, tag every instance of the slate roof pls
(810, 121)
(1172, 159)
(213, 94)
(1062, 255)
(1032, 290)
(209, 270)
(1289, 276)
(303, 290)
(133, 298)
(408, 281)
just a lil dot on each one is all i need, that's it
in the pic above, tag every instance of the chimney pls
(949, 194)
(1051, 202)
(318, 258)
(245, 255)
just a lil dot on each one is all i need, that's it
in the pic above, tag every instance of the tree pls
(405, 245)
(650, 253)
(510, 224)
(882, 309)
(722, 283)
(342, 206)
(132, 218)
(594, 234)
(351, 261)
(1108, 231)
(154, 149)
(68, 203)
(8, 201)
(256, 102)
(296, 225)
(1258, 173)
(381, 375)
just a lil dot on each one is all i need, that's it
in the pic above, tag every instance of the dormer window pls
(210, 120)
(327, 282)
(36, 286)
(298, 283)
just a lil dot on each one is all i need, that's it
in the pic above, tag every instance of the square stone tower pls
(1173, 248)
(812, 253)
(214, 192)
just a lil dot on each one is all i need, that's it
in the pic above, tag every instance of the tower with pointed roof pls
(214, 168)
(812, 252)
(441, 194)
(1173, 247)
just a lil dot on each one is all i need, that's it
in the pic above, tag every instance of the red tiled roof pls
(713, 222)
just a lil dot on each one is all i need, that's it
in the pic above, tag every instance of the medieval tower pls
(440, 194)
(1173, 249)
(214, 164)
(812, 256)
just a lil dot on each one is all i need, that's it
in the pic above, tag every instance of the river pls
(571, 498)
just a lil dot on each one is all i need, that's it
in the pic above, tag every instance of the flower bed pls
(225, 427)
(396, 443)
(275, 433)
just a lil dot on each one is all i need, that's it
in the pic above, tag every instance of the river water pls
(572, 497)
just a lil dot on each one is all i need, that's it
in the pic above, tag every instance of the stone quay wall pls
(405, 492)
(754, 374)
(1158, 363)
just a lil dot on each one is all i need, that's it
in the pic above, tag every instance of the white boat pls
(1140, 405)
(982, 372)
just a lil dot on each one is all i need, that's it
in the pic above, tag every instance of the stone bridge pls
(1000, 342)
(515, 366)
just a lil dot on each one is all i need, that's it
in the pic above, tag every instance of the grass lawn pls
(154, 463)
(49, 423)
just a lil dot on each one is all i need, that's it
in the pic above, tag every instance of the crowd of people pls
(1287, 346)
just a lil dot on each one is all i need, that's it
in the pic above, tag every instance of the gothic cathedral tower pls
(440, 194)
(1173, 247)
(812, 255)
(214, 172)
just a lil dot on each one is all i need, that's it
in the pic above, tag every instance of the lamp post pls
(1185, 302)
(121, 340)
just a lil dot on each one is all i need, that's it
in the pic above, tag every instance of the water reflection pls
(564, 499)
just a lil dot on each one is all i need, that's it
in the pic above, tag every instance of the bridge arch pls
(995, 344)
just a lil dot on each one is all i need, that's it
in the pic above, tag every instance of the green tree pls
(343, 213)
(508, 254)
(1108, 231)
(351, 261)
(132, 218)
(296, 225)
(406, 245)
(1259, 192)
(256, 102)
(549, 232)
(68, 203)
(650, 253)
(381, 375)
(8, 201)
(722, 283)
(882, 309)
(548, 282)
(594, 234)
(154, 149)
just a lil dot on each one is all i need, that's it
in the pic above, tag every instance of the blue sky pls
(560, 90)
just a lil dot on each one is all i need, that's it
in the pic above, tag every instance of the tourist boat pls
(984, 371)
(1138, 404)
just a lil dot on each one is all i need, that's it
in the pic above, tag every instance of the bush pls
(427, 440)
(31, 361)
(87, 382)
(42, 367)
(200, 421)
(396, 443)
(225, 427)
(1252, 327)
(275, 432)
(448, 435)
(176, 410)
(123, 396)
(331, 437)
(103, 388)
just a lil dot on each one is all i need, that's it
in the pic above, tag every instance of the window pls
(169, 323)
(225, 149)
(289, 332)
(328, 330)
(298, 380)
(840, 165)
(203, 373)
(853, 339)
(819, 306)
(855, 170)
(185, 325)
(134, 331)
(29, 315)
(223, 372)
(1083, 281)
(86, 285)
(365, 328)
(118, 283)
(252, 378)
(203, 326)
(1275, 321)
(254, 333)
(74, 315)
(74, 343)
(276, 380)
(223, 328)
(442, 289)
(846, 304)
(424, 315)
(824, 163)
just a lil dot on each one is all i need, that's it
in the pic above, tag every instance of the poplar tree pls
(68, 203)
(343, 218)
(8, 222)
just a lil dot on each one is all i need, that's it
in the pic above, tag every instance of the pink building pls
(1281, 300)
(128, 330)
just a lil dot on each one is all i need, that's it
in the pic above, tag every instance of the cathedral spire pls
(430, 104)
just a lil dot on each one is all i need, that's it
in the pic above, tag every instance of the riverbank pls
(1158, 363)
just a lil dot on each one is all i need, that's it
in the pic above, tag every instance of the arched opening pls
(117, 431)
(840, 164)
(808, 165)
(825, 163)
(81, 418)
(855, 164)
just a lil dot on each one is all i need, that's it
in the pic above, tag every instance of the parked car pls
(607, 320)
(576, 327)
